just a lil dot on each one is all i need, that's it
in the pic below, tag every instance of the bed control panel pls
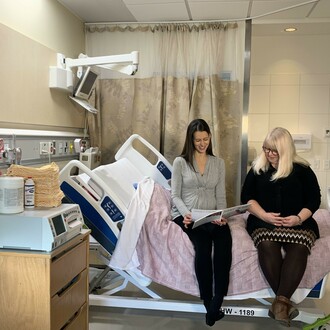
(162, 168)
(111, 209)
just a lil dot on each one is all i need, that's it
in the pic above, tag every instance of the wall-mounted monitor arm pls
(61, 75)
(125, 63)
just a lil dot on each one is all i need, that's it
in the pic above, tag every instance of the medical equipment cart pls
(45, 290)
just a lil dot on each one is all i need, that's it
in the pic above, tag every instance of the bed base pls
(192, 307)
(116, 281)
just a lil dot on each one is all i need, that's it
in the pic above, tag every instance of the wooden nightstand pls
(41, 290)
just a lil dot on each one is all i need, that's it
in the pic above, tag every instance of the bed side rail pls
(160, 172)
(102, 212)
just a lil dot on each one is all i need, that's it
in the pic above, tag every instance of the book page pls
(206, 217)
(200, 217)
(198, 214)
(229, 212)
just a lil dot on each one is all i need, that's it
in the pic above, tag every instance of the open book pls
(199, 217)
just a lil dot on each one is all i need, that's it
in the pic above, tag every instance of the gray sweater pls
(191, 190)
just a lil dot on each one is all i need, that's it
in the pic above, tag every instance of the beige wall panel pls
(25, 95)
(296, 71)
(47, 22)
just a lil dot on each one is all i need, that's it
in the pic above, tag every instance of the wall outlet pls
(327, 132)
(46, 148)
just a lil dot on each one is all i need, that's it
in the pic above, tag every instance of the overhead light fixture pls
(290, 29)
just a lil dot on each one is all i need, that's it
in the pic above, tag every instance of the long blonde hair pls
(279, 139)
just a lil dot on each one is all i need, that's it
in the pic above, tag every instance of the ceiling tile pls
(145, 2)
(159, 12)
(260, 8)
(218, 10)
(321, 10)
(99, 10)
(206, 2)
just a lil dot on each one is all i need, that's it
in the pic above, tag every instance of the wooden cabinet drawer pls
(79, 321)
(64, 305)
(67, 265)
(45, 291)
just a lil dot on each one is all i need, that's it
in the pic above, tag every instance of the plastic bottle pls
(29, 190)
(11, 194)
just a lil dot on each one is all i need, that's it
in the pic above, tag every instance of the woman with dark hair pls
(284, 193)
(198, 181)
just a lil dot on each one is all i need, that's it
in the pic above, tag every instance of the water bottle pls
(29, 190)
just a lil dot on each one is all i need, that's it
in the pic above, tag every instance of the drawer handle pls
(69, 285)
(62, 253)
(75, 316)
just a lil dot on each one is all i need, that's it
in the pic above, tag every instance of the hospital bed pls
(127, 203)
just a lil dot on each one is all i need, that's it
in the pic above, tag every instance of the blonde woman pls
(284, 193)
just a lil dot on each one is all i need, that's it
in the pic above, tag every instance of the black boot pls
(207, 303)
(214, 313)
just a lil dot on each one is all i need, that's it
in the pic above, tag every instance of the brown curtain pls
(129, 106)
(183, 82)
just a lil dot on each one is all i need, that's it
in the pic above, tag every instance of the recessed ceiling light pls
(290, 29)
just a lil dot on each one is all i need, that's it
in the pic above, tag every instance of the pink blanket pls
(166, 254)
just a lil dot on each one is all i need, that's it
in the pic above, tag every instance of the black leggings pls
(283, 273)
(210, 273)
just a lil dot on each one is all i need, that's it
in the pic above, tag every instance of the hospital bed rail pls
(92, 190)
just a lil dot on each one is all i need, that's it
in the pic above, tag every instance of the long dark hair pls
(197, 125)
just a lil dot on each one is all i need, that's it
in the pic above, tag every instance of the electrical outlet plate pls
(46, 148)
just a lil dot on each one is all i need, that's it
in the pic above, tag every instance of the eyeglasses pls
(267, 151)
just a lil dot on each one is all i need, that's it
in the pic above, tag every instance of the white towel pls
(125, 256)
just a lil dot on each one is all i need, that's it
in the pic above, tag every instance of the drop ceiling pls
(269, 17)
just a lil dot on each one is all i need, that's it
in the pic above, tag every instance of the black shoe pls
(211, 318)
(214, 313)
(207, 303)
(215, 304)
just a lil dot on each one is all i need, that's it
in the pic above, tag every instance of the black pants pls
(210, 272)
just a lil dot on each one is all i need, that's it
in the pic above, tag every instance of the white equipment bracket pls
(61, 76)
(112, 62)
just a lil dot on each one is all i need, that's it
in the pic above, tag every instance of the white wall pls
(45, 21)
(290, 83)
(32, 33)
